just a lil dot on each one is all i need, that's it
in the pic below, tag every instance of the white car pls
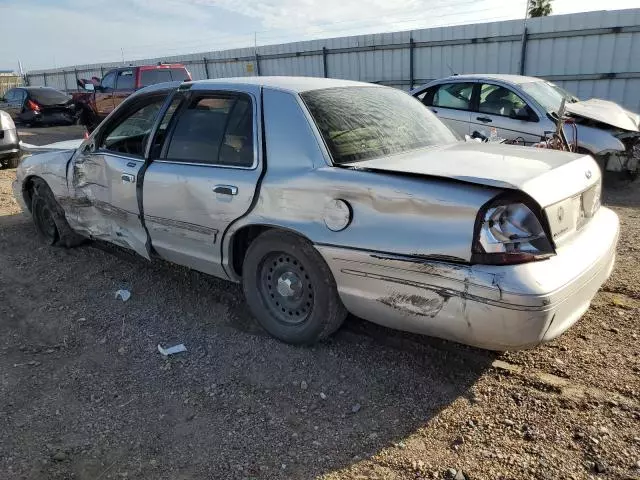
(9, 141)
(525, 109)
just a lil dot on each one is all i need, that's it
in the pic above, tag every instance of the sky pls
(59, 33)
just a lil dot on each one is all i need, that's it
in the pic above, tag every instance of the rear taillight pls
(33, 106)
(508, 232)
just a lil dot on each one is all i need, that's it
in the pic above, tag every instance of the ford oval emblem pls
(587, 174)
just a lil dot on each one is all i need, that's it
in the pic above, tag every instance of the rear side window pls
(125, 81)
(453, 95)
(49, 96)
(214, 129)
(151, 77)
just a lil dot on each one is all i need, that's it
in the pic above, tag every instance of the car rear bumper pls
(494, 307)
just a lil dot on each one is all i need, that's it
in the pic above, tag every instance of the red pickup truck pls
(102, 96)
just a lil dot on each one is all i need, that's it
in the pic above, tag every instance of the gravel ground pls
(84, 393)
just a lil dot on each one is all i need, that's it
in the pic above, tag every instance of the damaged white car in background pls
(525, 110)
(324, 197)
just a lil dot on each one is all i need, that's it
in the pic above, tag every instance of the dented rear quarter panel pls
(422, 217)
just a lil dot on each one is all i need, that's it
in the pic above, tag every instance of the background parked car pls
(103, 96)
(9, 141)
(38, 106)
(526, 108)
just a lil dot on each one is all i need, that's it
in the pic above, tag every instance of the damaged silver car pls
(324, 197)
(525, 109)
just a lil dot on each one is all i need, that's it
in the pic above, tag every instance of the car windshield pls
(361, 123)
(548, 95)
(49, 96)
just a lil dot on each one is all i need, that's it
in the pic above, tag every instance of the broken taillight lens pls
(509, 232)
(33, 106)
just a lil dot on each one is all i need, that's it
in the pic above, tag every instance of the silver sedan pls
(526, 109)
(324, 197)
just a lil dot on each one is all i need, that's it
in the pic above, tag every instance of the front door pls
(104, 95)
(500, 108)
(203, 177)
(125, 86)
(105, 175)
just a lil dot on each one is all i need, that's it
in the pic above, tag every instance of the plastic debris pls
(172, 350)
(123, 294)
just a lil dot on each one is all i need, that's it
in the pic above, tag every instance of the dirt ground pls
(84, 393)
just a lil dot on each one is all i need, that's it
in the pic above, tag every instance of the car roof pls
(513, 79)
(291, 84)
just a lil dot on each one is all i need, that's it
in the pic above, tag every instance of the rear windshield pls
(151, 77)
(49, 96)
(361, 123)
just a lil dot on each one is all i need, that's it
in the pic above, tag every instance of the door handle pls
(226, 189)
(484, 119)
(128, 178)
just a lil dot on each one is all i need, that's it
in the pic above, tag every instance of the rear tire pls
(48, 218)
(290, 289)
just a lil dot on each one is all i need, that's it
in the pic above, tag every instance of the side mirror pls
(520, 114)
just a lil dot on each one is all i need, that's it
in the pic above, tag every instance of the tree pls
(539, 8)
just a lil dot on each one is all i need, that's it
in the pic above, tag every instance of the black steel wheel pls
(286, 288)
(290, 289)
(48, 217)
(44, 220)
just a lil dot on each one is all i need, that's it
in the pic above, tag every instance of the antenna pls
(453, 72)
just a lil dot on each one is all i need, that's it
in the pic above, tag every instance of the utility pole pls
(523, 43)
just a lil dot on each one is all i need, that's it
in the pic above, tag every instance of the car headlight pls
(508, 233)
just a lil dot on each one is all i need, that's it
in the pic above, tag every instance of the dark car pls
(38, 106)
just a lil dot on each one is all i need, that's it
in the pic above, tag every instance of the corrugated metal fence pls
(593, 54)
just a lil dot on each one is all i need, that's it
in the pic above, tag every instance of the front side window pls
(497, 100)
(129, 134)
(453, 95)
(361, 123)
(109, 81)
(214, 129)
(126, 80)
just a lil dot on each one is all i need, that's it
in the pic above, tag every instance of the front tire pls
(48, 218)
(290, 289)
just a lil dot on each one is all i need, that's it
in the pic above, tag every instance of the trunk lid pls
(548, 176)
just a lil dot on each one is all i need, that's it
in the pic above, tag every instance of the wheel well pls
(27, 190)
(244, 237)
(240, 244)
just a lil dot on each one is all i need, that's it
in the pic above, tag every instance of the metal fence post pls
(325, 71)
(257, 64)
(44, 78)
(206, 66)
(101, 72)
(523, 51)
(64, 78)
(411, 73)
(75, 72)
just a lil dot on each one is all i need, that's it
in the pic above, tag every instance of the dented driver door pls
(105, 177)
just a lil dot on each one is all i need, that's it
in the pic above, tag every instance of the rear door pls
(451, 102)
(204, 175)
(104, 96)
(125, 85)
(105, 176)
(497, 106)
